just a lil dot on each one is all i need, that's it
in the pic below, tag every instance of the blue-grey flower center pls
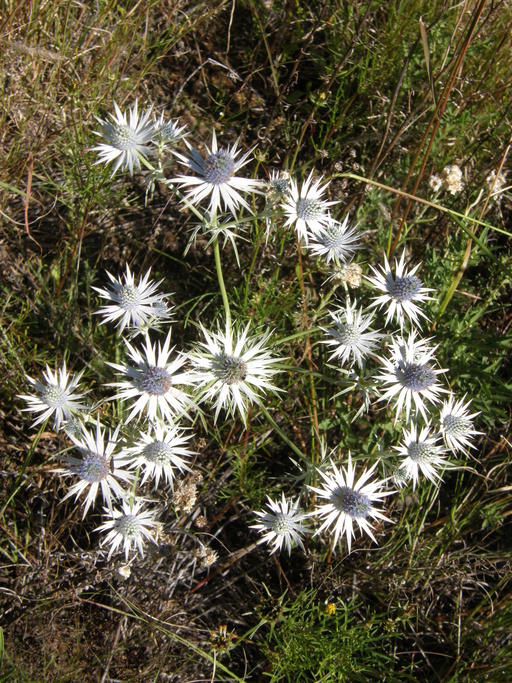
(401, 476)
(422, 452)
(158, 453)
(455, 425)
(129, 297)
(282, 523)
(230, 369)
(128, 526)
(352, 503)
(123, 137)
(333, 236)
(309, 209)
(349, 335)
(279, 185)
(416, 377)
(167, 132)
(94, 467)
(219, 168)
(54, 396)
(156, 381)
(405, 288)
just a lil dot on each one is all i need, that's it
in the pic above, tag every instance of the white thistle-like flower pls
(59, 395)
(349, 502)
(349, 336)
(126, 141)
(421, 453)
(401, 291)
(216, 177)
(96, 468)
(168, 132)
(306, 208)
(457, 424)
(283, 525)
(411, 376)
(128, 527)
(278, 183)
(335, 241)
(233, 369)
(153, 382)
(134, 304)
(160, 452)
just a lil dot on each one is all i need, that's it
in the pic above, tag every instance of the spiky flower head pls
(306, 208)
(168, 132)
(457, 424)
(335, 241)
(216, 177)
(96, 468)
(154, 382)
(348, 501)
(349, 336)
(128, 527)
(133, 303)
(59, 395)
(411, 375)
(125, 142)
(159, 452)
(233, 369)
(278, 183)
(401, 291)
(421, 452)
(283, 525)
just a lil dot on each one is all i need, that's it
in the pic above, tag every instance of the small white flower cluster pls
(450, 179)
(494, 184)
(233, 369)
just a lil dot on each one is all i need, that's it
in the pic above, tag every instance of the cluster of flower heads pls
(160, 387)
(234, 368)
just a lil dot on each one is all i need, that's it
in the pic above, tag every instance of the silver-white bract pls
(335, 241)
(457, 424)
(402, 291)
(159, 453)
(348, 501)
(128, 527)
(216, 177)
(134, 304)
(306, 208)
(349, 336)
(96, 468)
(154, 382)
(168, 132)
(126, 141)
(59, 395)
(421, 452)
(283, 525)
(232, 369)
(411, 376)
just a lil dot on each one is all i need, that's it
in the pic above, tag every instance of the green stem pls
(220, 278)
(249, 274)
(282, 434)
